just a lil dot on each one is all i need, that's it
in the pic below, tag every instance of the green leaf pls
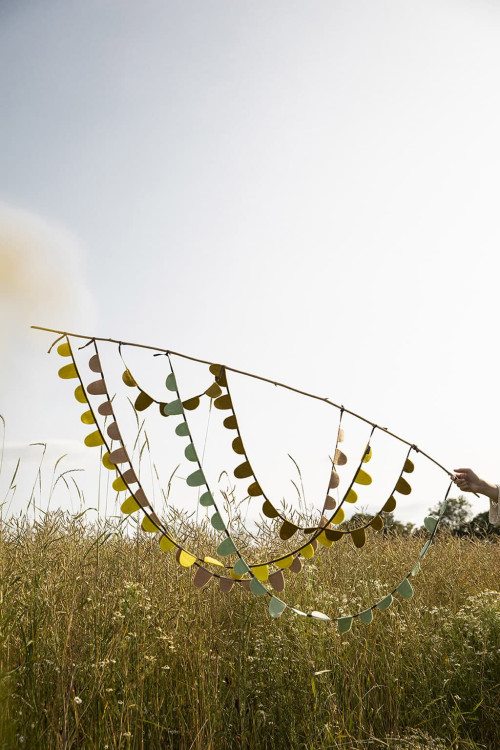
(405, 589)
(217, 522)
(344, 624)
(226, 547)
(182, 430)
(430, 523)
(196, 479)
(240, 567)
(416, 569)
(170, 382)
(206, 499)
(366, 616)
(425, 548)
(190, 452)
(257, 588)
(385, 602)
(174, 407)
(276, 607)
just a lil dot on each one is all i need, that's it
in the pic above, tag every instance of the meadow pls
(105, 643)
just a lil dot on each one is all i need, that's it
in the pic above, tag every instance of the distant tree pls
(456, 514)
(390, 523)
(480, 526)
(396, 527)
(358, 519)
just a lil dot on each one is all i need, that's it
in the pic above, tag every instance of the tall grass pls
(104, 643)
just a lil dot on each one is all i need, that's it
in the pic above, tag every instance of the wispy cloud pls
(42, 275)
(42, 281)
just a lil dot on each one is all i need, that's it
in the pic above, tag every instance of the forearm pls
(488, 489)
(468, 480)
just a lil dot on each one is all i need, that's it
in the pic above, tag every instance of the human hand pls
(468, 481)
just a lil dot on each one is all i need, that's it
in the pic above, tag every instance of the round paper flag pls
(213, 391)
(67, 372)
(250, 575)
(170, 382)
(128, 379)
(276, 607)
(64, 349)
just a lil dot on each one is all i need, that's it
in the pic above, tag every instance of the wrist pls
(488, 489)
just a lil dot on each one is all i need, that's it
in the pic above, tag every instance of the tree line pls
(457, 519)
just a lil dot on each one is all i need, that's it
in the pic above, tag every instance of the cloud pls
(42, 276)
(42, 282)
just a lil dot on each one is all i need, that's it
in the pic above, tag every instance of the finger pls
(462, 471)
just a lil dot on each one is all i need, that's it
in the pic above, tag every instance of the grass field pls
(106, 644)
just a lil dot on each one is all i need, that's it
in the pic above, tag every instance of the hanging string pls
(249, 375)
(276, 605)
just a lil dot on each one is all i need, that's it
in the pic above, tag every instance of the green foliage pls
(456, 514)
(394, 526)
(480, 526)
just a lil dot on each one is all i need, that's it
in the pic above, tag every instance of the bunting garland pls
(252, 576)
(138, 500)
(322, 533)
(245, 470)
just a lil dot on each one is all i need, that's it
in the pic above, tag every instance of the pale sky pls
(305, 190)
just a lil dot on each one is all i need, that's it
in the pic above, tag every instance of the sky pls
(304, 190)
